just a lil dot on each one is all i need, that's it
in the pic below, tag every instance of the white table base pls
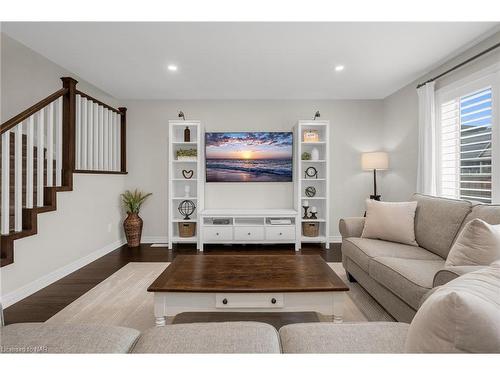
(173, 303)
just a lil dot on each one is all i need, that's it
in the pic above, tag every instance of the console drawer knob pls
(224, 301)
(217, 233)
(273, 301)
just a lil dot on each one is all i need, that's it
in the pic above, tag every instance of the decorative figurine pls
(187, 174)
(314, 211)
(187, 134)
(310, 191)
(186, 208)
(311, 172)
(305, 206)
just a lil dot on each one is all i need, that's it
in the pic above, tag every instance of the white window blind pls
(466, 146)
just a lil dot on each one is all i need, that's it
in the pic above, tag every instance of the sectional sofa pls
(398, 276)
(461, 316)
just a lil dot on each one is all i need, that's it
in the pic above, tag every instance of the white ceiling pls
(248, 60)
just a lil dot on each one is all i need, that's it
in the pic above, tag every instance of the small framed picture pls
(311, 136)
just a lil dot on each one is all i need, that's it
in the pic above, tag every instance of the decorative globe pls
(186, 208)
(310, 191)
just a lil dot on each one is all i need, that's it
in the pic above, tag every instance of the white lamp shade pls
(374, 160)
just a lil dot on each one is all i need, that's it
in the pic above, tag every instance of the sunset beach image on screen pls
(249, 157)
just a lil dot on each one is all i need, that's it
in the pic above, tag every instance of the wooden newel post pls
(123, 141)
(68, 132)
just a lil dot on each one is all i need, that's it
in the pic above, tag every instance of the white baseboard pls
(35, 286)
(154, 239)
(335, 239)
(164, 239)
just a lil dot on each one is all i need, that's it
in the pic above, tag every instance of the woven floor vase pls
(133, 229)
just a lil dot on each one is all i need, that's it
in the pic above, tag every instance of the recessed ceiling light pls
(172, 68)
(339, 68)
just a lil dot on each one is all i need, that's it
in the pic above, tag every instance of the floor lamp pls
(373, 161)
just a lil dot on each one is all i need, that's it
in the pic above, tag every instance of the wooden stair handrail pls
(78, 92)
(9, 124)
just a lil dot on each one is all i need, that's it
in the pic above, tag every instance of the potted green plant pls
(132, 202)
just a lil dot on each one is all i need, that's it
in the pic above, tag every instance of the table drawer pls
(249, 300)
(280, 233)
(221, 233)
(248, 233)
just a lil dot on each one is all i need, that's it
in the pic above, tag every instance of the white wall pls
(356, 127)
(78, 231)
(401, 120)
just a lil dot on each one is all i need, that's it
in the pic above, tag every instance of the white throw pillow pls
(390, 221)
(478, 244)
(461, 316)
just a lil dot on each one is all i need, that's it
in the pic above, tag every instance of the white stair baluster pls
(18, 178)
(105, 141)
(40, 117)
(110, 140)
(90, 135)
(50, 144)
(101, 138)
(95, 141)
(59, 145)
(78, 132)
(118, 142)
(84, 126)
(30, 134)
(5, 182)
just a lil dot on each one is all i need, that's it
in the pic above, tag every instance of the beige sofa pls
(398, 276)
(461, 316)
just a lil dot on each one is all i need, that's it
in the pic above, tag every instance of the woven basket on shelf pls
(187, 229)
(310, 229)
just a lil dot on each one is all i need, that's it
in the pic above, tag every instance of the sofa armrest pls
(351, 226)
(450, 273)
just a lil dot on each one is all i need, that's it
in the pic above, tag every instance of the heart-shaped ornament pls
(187, 174)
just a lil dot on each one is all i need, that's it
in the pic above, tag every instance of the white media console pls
(249, 226)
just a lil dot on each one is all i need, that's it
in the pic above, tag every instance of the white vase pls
(314, 154)
(187, 190)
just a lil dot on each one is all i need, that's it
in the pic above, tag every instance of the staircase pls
(67, 132)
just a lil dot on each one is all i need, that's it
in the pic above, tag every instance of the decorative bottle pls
(187, 134)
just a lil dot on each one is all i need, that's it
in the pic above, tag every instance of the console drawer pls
(248, 233)
(219, 233)
(249, 300)
(280, 233)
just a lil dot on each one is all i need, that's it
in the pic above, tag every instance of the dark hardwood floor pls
(45, 303)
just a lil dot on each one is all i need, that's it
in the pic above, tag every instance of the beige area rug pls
(122, 300)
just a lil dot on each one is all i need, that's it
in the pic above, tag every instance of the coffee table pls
(248, 283)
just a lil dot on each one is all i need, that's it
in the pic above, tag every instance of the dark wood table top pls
(248, 273)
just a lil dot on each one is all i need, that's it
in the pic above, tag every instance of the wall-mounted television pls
(249, 157)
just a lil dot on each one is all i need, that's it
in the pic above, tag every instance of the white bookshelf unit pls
(180, 187)
(320, 182)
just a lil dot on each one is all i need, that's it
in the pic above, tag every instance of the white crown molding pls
(34, 286)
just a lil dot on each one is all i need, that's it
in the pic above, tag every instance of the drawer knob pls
(249, 233)
(281, 234)
(273, 301)
(224, 301)
(217, 233)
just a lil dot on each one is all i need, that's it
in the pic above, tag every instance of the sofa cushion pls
(461, 316)
(478, 244)
(409, 279)
(487, 212)
(390, 221)
(437, 222)
(228, 337)
(66, 338)
(361, 250)
(343, 338)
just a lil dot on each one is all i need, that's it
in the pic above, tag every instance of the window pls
(467, 142)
